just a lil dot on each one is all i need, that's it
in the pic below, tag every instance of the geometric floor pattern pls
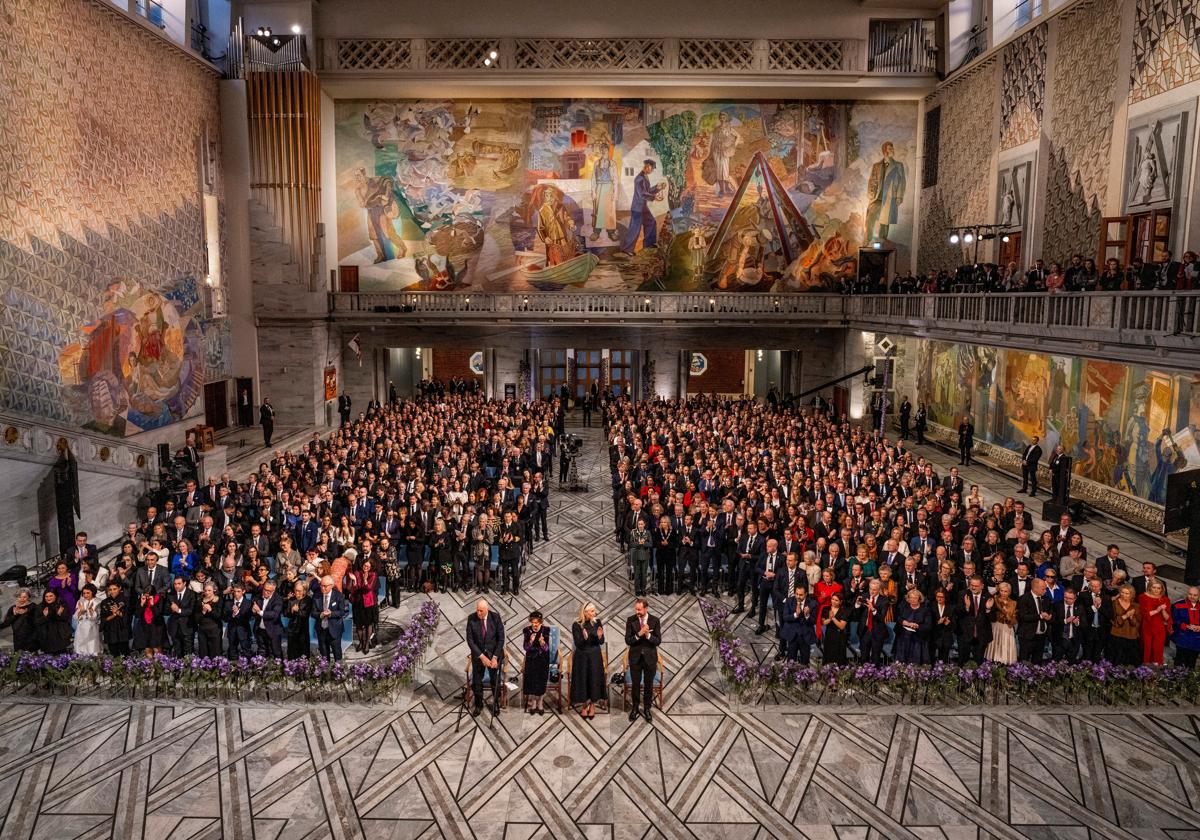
(704, 769)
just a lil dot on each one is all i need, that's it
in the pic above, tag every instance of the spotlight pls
(712, 302)
(295, 29)
(493, 55)
(954, 238)
(468, 300)
(1004, 238)
(487, 62)
(263, 32)
(208, 280)
(647, 301)
(275, 42)
(968, 237)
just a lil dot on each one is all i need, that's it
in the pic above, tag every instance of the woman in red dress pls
(824, 590)
(1156, 621)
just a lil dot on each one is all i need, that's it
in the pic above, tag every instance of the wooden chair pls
(602, 705)
(660, 680)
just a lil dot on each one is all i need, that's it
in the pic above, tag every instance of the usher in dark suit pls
(643, 657)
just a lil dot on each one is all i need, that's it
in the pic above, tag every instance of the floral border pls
(943, 684)
(219, 678)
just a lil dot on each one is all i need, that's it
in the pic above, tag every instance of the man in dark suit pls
(799, 625)
(750, 548)
(1112, 561)
(1029, 466)
(1066, 636)
(1018, 518)
(329, 609)
(179, 607)
(966, 440)
(83, 550)
(266, 417)
(1149, 575)
(238, 612)
(974, 623)
(1034, 614)
(269, 609)
(766, 571)
(905, 418)
(485, 638)
(642, 636)
(344, 403)
(1096, 615)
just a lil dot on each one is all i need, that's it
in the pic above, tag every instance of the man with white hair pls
(329, 610)
(485, 638)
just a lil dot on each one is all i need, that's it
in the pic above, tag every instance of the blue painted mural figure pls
(641, 220)
(885, 193)
(377, 197)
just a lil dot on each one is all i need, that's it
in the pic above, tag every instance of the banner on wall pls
(330, 383)
(356, 346)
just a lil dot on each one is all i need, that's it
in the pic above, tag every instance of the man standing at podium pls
(642, 636)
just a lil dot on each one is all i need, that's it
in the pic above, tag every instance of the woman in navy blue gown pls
(913, 623)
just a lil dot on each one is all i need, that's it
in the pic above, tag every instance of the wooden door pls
(587, 370)
(1010, 251)
(216, 407)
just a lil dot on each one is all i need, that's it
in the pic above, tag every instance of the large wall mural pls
(1126, 426)
(621, 194)
(101, 221)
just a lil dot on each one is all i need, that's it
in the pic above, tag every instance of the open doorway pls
(874, 268)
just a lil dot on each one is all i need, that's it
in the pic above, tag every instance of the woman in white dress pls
(87, 622)
(1003, 647)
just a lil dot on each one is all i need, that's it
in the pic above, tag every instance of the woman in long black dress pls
(536, 638)
(587, 665)
(297, 610)
(208, 621)
(837, 630)
(666, 547)
(913, 623)
(52, 623)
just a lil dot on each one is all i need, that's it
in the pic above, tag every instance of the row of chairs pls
(560, 675)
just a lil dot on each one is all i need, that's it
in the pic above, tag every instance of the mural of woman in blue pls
(1167, 459)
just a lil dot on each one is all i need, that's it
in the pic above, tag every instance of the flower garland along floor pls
(219, 678)
(1058, 683)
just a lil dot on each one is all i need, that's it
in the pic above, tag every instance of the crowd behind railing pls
(1079, 274)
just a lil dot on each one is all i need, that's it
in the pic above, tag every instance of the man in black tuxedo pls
(767, 570)
(750, 547)
(1034, 614)
(1066, 637)
(1018, 518)
(642, 636)
(953, 483)
(966, 440)
(1149, 575)
(179, 607)
(344, 403)
(485, 638)
(905, 418)
(266, 418)
(974, 623)
(1029, 467)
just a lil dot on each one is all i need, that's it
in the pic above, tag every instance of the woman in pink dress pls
(1156, 622)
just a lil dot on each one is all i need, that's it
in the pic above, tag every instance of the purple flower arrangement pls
(219, 676)
(1100, 683)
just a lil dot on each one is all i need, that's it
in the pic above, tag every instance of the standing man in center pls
(642, 636)
(1029, 466)
(266, 416)
(966, 440)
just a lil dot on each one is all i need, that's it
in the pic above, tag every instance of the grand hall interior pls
(696, 420)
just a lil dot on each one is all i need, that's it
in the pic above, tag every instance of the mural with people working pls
(621, 194)
(1125, 426)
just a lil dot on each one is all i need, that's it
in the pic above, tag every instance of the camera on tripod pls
(573, 444)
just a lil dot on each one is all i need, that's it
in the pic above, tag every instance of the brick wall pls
(726, 368)
(449, 363)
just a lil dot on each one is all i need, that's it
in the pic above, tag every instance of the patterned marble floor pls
(704, 769)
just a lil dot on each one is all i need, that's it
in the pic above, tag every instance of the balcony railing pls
(1151, 321)
(903, 53)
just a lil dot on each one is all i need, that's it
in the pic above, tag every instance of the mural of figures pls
(647, 194)
(1125, 426)
(140, 365)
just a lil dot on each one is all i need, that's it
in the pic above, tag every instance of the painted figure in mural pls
(604, 194)
(693, 172)
(1008, 204)
(555, 228)
(885, 193)
(725, 140)
(641, 219)
(1132, 471)
(697, 247)
(377, 197)
(1167, 459)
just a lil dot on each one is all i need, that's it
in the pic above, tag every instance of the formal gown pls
(912, 646)
(1003, 647)
(1155, 628)
(537, 661)
(833, 645)
(87, 627)
(587, 665)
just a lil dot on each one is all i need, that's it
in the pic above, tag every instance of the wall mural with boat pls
(621, 195)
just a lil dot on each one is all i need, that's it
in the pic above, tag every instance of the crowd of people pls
(856, 549)
(447, 492)
(1079, 274)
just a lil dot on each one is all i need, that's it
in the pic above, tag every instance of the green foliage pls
(672, 139)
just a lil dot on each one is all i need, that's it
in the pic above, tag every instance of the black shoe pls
(495, 708)
(1033, 495)
(737, 610)
(633, 714)
(759, 630)
(646, 715)
(541, 711)
(475, 710)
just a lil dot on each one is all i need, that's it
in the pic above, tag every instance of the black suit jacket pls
(1031, 456)
(643, 649)
(1029, 609)
(490, 643)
